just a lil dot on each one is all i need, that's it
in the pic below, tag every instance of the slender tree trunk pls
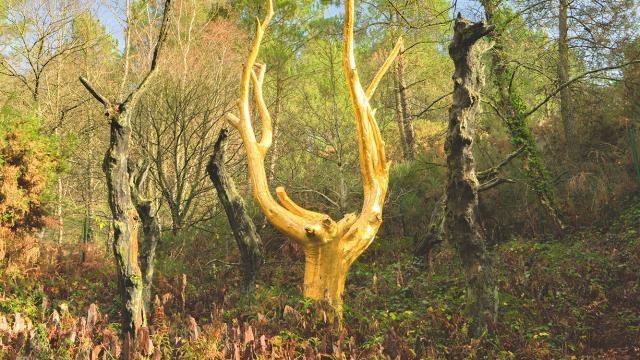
(563, 76)
(406, 152)
(461, 222)
(176, 219)
(242, 226)
(510, 104)
(125, 224)
(59, 201)
(60, 239)
(403, 115)
(409, 136)
(87, 235)
(90, 210)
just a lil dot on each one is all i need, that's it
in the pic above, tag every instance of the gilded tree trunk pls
(461, 223)
(330, 246)
(242, 226)
(125, 223)
(325, 273)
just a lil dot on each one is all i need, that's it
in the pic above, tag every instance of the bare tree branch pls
(574, 79)
(93, 91)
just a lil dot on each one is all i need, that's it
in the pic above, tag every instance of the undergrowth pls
(561, 298)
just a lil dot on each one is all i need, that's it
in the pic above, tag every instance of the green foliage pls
(28, 166)
(414, 189)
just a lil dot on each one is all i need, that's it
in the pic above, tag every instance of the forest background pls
(554, 146)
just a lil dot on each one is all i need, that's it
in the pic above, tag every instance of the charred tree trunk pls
(123, 211)
(125, 223)
(242, 226)
(461, 221)
(150, 231)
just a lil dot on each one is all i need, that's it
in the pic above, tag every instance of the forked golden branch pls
(330, 247)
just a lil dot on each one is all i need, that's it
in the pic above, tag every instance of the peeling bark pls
(125, 223)
(463, 229)
(150, 231)
(242, 226)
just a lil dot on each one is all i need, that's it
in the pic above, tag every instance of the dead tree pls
(125, 216)
(150, 229)
(242, 226)
(330, 246)
(461, 223)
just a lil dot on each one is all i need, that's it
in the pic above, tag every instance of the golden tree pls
(330, 246)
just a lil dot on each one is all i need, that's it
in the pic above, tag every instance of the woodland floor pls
(575, 297)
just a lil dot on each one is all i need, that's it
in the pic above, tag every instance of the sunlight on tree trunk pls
(330, 246)
(461, 221)
(125, 215)
(147, 214)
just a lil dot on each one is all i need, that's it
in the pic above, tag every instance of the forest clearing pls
(320, 179)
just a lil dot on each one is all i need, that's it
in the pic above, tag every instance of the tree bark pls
(406, 152)
(242, 226)
(563, 75)
(461, 222)
(407, 126)
(403, 115)
(59, 201)
(125, 216)
(150, 231)
(125, 223)
(89, 233)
